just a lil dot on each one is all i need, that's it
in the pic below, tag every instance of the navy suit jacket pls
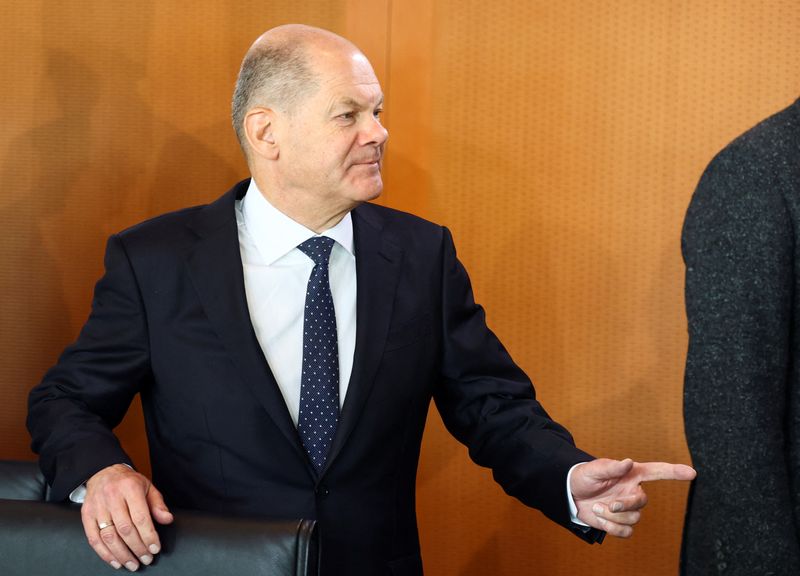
(170, 321)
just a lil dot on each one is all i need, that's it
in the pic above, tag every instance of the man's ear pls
(259, 125)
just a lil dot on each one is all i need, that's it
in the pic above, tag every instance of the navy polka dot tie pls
(319, 387)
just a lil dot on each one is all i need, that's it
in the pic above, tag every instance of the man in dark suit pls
(286, 341)
(742, 386)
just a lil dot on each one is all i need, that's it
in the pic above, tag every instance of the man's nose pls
(375, 133)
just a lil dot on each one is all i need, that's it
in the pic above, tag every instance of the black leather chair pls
(37, 537)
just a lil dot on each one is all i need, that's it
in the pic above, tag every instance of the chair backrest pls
(48, 538)
(21, 481)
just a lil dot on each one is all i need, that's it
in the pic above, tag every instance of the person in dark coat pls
(742, 387)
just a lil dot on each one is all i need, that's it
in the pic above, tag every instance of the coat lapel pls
(378, 263)
(215, 267)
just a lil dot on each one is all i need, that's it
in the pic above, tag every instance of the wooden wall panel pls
(116, 111)
(560, 141)
(567, 138)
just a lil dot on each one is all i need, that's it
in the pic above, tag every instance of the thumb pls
(159, 510)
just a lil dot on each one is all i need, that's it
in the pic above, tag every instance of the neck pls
(311, 213)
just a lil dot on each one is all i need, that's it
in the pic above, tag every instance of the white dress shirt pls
(276, 274)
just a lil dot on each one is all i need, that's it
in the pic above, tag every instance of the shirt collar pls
(275, 234)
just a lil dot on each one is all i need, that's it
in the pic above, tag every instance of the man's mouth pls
(376, 162)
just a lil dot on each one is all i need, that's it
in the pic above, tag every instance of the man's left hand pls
(609, 494)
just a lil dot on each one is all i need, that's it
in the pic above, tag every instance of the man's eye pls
(377, 113)
(347, 115)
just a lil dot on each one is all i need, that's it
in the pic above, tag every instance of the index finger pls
(649, 471)
(143, 521)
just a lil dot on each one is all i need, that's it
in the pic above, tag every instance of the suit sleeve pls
(488, 403)
(73, 411)
(738, 246)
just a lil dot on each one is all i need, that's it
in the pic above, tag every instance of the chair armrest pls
(46, 538)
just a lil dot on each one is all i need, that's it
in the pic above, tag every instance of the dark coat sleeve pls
(738, 246)
(73, 411)
(488, 403)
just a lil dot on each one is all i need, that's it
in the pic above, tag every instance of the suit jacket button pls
(322, 491)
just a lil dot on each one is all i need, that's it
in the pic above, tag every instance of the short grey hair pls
(275, 76)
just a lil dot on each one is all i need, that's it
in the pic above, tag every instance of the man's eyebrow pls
(352, 103)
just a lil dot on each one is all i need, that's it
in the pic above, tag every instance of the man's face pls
(331, 145)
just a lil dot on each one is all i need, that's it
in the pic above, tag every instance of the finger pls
(601, 523)
(143, 541)
(125, 536)
(629, 503)
(628, 518)
(131, 514)
(92, 532)
(650, 471)
(614, 529)
(119, 550)
(157, 506)
(143, 531)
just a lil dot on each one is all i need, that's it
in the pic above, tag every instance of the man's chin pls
(368, 191)
(375, 194)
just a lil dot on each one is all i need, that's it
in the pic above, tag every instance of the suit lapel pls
(378, 263)
(215, 267)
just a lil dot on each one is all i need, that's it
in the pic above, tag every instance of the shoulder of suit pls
(164, 236)
(407, 231)
(162, 222)
(775, 141)
(187, 223)
(749, 190)
(761, 165)
(392, 219)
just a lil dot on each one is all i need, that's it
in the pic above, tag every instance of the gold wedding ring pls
(102, 525)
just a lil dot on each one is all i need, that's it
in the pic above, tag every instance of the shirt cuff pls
(78, 494)
(573, 509)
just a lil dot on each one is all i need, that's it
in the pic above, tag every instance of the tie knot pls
(318, 249)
